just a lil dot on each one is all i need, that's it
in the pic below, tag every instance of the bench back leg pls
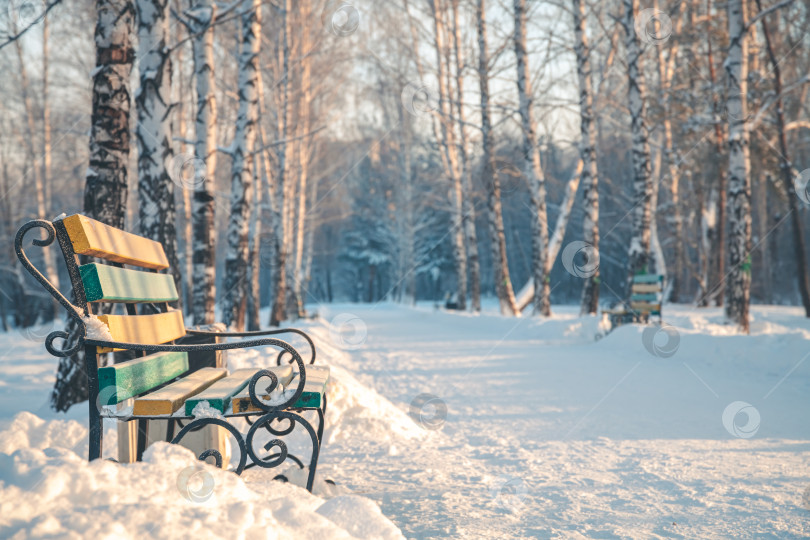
(96, 423)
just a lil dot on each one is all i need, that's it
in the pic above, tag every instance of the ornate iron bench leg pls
(277, 459)
(280, 433)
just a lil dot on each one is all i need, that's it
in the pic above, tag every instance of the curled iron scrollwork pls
(72, 310)
(63, 352)
(302, 379)
(200, 422)
(276, 459)
(278, 432)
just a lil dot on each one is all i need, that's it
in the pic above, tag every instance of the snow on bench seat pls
(311, 398)
(170, 398)
(219, 394)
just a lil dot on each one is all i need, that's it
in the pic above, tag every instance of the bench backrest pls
(647, 293)
(134, 276)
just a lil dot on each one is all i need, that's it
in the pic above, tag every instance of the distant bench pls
(158, 384)
(646, 298)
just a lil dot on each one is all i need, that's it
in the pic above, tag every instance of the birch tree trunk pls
(181, 90)
(707, 215)
(669, 154)
(292, 150)
(532, 168)
(587, 150)
(468, 208)
(639, 249)
(803, 274)
(262, 209)
(448, 144)
(153, 133)
(279, 311)
(503, 284)
(718, 287)
(303, 126)
(236, 259)
(269, 203)
(309, 235)
(659, 262)
(105, 193)
(202, 19)
(738, 287)
(254, 250)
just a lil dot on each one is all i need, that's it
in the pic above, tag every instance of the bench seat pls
(226, 393)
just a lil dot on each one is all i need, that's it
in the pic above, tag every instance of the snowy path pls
(548, 433)
(551, 434)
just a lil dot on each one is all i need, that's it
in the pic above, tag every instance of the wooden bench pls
(131, 292)
(646, 298)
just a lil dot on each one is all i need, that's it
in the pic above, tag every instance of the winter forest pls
(299, 152)
(486, 183)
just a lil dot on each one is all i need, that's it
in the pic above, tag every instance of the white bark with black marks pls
(532, 168)
(641, 213)
(468, 208)
(153, 133)
(282, 199)
(304, 152)
(235, 283)
(587, 150)
(452, 168)
(497, 238)
(201, 19)
(738, 283)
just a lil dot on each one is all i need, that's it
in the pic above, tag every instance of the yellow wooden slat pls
(647, 287)
(645, 307)
(170, 398)
(93, 238)
(146, 329)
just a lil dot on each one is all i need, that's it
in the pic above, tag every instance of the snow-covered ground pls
(465, 426)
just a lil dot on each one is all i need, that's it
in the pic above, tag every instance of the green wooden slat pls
(113, 284)
(648, 278)
(138, 376)
(648, 297)
(312, 396)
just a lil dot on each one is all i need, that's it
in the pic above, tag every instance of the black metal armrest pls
(260, 333)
